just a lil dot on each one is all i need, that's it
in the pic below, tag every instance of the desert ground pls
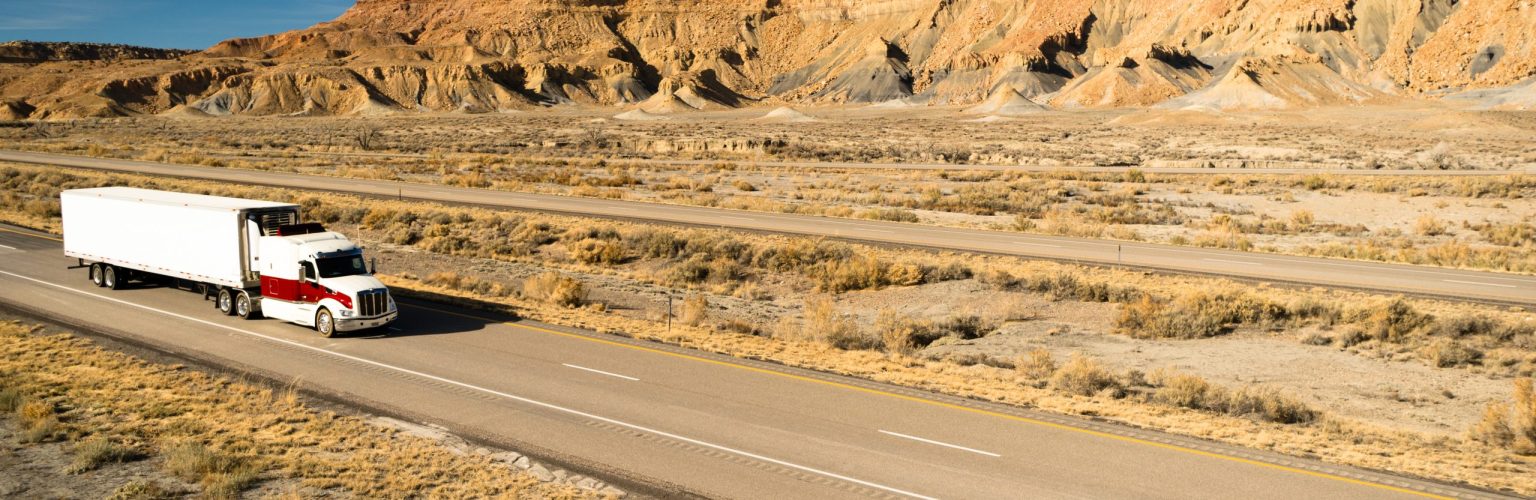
(1428, 385)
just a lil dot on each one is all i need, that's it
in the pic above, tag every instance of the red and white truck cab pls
(319, 279)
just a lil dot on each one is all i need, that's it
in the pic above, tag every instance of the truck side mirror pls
(373, 265)
(306, 271)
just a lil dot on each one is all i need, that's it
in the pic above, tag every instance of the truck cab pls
(320, 279)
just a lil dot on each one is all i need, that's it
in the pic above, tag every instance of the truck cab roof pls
(319, 244)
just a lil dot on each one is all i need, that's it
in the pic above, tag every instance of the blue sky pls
(182, 24)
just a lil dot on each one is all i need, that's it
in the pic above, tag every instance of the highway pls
(1454, 284)
(686, 422)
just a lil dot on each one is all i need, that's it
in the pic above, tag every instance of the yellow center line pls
(1053, 425)
(34, 235)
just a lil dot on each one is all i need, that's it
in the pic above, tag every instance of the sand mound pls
(666, 103)
(1517, 97)
(184, 111)
(990, 119)
(785, 114)
(1006, 102)
(903, 103)
(1276, 83)
(639, 115)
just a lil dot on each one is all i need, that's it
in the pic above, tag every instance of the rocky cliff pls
(670, 56)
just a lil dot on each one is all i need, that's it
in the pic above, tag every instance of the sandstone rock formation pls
(665, 56)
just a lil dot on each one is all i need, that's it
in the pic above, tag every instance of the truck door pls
(309, 285)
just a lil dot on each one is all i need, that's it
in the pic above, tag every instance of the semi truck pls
(253, 258)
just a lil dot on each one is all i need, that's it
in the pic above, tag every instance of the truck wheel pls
(226, 302)
(109, 278)
(243, 307)
(324, 323)
(96, 278)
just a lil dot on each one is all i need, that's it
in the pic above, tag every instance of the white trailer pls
(125, 234)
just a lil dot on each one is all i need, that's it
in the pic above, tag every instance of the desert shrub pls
(1392, 321)
(953, 271)
(902, 334)
(859, 273)
(556, 288)
(222, 475)
(1036, 364)
(694, 310)
(1083, 376)
(1446, 353)
(141, 489)
(1263, 403)
(1061, 285)
(1510, 424)
(98, 450)
(10, 400)
(823, 323)
(1270, 405)
(39, 423)
(888, 214)
(965, 326)
(1190, 317)
(1463, 325)
(1428, 225)
(596, 251)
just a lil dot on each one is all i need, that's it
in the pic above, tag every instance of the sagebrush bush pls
(555, 288)
(95, 451)
(694, 310)
(1262, 403)
(1510, 424)
(1083, 376)
(1037, 364)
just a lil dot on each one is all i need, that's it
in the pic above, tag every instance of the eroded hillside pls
(483, 55)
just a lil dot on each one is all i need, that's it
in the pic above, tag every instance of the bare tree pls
(593, 138)
(368, 138)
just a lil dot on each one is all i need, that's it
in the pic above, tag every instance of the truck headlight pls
(346, 313)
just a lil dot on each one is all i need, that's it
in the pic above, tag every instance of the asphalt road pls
(1393, 278)
(694, 422)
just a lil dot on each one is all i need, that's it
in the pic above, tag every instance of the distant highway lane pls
(1452, 284)
(690, 422)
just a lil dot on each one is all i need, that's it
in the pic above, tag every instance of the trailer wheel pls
(226, 302)
(109, 278)
(243, 307)
(96, 278)
(324, 323)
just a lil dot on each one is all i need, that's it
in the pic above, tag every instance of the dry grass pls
(221, 434)
(556, 288)
(1511, 424)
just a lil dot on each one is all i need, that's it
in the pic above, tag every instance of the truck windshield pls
(336, 267)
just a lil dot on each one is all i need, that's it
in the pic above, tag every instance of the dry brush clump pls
(1263, 403)
(1511, 424)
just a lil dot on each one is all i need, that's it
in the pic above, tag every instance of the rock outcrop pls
(478, 56)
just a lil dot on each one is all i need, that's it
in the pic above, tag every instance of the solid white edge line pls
(626, 377)
(8, 247)
(493, 392)
(1479, 283)
(941, 443)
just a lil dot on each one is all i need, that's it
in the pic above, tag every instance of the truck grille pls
(372, 303)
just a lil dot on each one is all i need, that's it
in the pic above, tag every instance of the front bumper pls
(354, 324)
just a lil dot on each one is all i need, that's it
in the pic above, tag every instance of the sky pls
(180, 24)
